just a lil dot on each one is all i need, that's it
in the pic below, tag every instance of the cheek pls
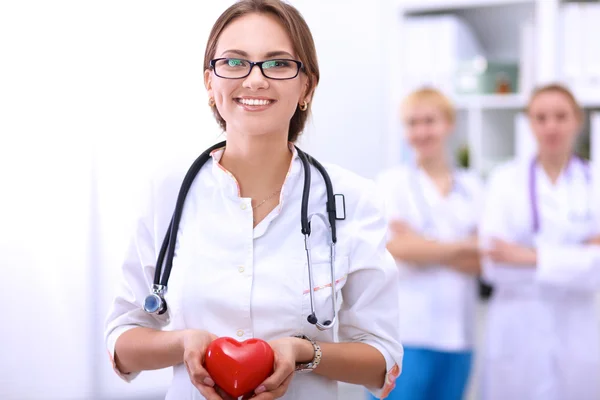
(223, 90)
(289, 95)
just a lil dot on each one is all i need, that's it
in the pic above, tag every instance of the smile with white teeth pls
(254, 102)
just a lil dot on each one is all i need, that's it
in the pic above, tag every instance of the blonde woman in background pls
(433, 209)
(541, 229)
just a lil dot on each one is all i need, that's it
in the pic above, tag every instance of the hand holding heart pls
(277, 384)
(254, 368)
(195, 343)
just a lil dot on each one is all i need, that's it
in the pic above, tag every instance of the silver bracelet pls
(308, 367)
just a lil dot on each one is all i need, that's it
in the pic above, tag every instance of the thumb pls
(277, 377)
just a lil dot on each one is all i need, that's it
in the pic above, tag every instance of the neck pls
(440, 173)
(553, 164)
(435, 166)
(259, 163)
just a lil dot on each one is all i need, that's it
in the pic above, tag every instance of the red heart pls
(239, 367)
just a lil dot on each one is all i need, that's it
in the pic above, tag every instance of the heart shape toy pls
(239, 367)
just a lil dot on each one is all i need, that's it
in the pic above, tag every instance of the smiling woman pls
(241, 268)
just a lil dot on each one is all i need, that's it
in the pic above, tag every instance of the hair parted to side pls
(557, 88)
(301, 38)
(432, 97)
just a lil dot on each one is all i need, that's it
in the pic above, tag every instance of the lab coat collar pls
(574, 169)
(226, 181)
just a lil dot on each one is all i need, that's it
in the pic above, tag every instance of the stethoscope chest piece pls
(155, 302)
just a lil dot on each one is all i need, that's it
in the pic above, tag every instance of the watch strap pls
(307, 367)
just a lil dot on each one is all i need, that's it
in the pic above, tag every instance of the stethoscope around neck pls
(155, 302)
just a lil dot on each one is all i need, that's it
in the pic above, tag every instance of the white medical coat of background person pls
(238, 281)
(543, 334)
(437, 304)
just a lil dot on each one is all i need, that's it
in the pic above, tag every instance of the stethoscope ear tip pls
(312, 318)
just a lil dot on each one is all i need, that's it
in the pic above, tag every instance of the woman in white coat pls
(433, 212)
(240, 267)
(540, 231)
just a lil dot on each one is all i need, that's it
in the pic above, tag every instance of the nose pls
(256, 80)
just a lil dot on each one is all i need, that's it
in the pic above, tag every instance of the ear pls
(307, 92)
(451, 128)
(208, 82)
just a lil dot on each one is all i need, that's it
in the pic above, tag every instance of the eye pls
(235, 62)
(540, 118)
(561, 116)
(276, 64)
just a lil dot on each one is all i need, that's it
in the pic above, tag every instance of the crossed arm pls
(410, 246)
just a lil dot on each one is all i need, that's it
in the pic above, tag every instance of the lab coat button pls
(241, 269)
(240, 333)
(243, 206)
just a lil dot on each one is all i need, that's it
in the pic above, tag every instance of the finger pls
(223, 394)
(209, 393)
(499, 243)
(277, 392)
(198, 375)
(201, 380)
(282, 370)
(397, 226)
(280, 391)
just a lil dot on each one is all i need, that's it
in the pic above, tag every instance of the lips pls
(254, 103)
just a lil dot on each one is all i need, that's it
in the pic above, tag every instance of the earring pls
(303, 106)
(211, 102)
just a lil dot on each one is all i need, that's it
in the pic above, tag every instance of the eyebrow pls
(242, 53)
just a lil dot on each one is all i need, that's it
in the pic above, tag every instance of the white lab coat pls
(437, 304)
(542, 337)
(235, 280)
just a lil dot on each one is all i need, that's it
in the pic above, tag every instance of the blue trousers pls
(432, 375)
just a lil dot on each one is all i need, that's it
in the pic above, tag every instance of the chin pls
(256, 127)
(554, 150)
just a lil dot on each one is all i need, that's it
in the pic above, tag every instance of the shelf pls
(589, 101)
(438, 6)
(491, 101)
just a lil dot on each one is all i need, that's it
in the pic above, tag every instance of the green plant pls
(462, 156)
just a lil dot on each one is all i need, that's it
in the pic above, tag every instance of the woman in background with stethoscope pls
(248, 259)
(433, 212)
(540, 231)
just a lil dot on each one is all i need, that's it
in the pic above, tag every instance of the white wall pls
(350, 112)
(92, 94)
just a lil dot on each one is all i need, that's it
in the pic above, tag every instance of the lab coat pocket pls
(322, 289)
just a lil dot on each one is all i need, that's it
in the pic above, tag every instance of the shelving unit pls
(529, 33)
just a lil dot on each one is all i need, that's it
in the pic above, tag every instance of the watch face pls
(152, 303)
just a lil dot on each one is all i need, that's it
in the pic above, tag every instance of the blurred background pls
(96, 95)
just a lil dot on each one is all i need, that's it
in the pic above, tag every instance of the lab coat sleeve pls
(572, 266)
(137, 275)
(370, 310)
(494, 224)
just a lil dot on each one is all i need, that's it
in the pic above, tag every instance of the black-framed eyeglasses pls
(238, 68)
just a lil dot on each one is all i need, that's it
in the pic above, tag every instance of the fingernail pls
(260, 389)
(208, 381)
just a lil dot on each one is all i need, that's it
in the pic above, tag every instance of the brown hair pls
(434, 97)
(556, 88)
(301, 38)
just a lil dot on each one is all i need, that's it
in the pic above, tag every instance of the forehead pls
(422, 109)
(255, 34)
(551, 100)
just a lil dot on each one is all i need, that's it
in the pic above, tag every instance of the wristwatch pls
(308, 367)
